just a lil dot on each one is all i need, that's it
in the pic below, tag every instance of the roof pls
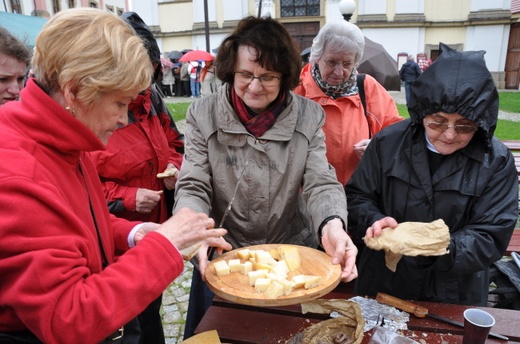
(25, 28)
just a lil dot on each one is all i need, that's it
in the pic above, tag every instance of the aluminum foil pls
(394, 319)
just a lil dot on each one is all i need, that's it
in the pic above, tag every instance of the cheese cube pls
(274, 290)
(264, 257)
(246, 267)
(254, 275)
(312, 281)
(261, 266)
(274, 253)
(221, 268)
(280, 268)
(234, 265)
(287, 286)
(298, 281)
(243, 254)
(262, 283)
(291, 256)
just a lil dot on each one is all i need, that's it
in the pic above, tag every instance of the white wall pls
(408, 6)
(490, 4)
(373, 7)
(398, 40)
(493, 39)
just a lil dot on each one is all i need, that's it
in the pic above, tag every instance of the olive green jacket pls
(287, 188)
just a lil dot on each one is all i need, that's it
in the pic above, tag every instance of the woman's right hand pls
(377, 227)
(187, 228)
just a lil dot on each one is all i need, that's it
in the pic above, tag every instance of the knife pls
(211, 250)
(516, 258)
(422, 312)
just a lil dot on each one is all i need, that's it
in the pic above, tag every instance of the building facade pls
(46, 8)
(403, 27)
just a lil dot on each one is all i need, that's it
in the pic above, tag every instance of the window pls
(16, 7)
(56, 7)
(93, 4)
(110, 8)
(300, 8)
(72, 3)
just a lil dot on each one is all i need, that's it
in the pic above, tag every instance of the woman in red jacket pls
(60, 280)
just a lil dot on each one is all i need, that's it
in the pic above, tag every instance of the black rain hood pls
(144, 32)
(457, 82)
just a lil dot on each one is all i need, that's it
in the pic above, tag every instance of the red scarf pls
(257, 124)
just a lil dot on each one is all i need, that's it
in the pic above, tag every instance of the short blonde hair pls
(90, 52)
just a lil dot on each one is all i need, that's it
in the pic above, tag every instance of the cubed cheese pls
(280, 268)
(243, 254)
(246, 267)
(274, 290)
(261, 266)
(254, 275)
(264, 257)
(291, 256)
(298, 281)
(312, 281)
(221, 267)
(262, 283)
(234, 265)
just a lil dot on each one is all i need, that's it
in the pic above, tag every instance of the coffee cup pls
(477, 325)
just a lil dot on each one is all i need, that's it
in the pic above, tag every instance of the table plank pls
(249, 324)
(245, 326)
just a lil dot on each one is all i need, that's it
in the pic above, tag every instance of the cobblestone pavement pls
(175, 306)
(176, 296)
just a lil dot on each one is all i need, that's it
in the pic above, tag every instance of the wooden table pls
(241, 324)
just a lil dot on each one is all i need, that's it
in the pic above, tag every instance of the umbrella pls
(184, 51)
(196, 55)
(378, 63)
(166, 63)
(305, 54)
(23, 27)
(174, 55)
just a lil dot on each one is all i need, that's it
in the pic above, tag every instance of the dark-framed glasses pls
(459, 128)
(265, 80)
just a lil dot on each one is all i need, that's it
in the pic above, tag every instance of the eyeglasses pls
(459, 128)
(266, 80)
(333, 64)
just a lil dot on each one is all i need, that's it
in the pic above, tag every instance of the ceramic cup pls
(477, 325)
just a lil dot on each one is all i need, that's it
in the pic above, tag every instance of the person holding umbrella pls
(356, 108)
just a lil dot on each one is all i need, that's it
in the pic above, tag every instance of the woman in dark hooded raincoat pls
(444, 163)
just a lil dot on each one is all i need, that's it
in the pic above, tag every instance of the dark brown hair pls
(11, 46)
(275, 46)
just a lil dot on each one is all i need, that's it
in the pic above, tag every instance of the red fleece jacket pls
(52, 282)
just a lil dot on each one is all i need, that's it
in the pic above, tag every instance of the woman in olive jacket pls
(441, 163)
(254, 135)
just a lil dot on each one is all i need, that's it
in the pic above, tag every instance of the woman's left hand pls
(338, 244)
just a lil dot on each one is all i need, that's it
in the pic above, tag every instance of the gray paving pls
(176, 296)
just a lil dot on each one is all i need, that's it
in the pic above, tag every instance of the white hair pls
(338, 36)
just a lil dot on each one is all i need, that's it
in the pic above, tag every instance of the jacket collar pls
(229, 124)
(49, 124)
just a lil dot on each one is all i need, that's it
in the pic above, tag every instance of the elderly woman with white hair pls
(331, 79)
